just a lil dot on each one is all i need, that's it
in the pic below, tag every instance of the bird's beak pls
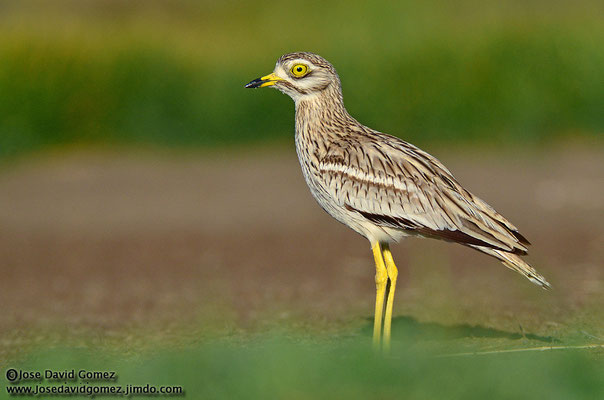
(268, 80)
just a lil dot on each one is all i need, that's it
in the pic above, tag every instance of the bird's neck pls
(321, 110)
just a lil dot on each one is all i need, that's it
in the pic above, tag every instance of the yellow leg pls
(381, 278)
(392, 275)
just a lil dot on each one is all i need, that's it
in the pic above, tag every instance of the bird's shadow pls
(410, 328)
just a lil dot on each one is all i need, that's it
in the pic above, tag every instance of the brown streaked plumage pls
(379, 185)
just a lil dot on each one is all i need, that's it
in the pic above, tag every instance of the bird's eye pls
(299, 70)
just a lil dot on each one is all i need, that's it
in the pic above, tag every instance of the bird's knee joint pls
(381, 278)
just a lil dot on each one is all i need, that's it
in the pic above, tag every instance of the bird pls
(381, 186)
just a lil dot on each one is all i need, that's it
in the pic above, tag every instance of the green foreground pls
(284, 368)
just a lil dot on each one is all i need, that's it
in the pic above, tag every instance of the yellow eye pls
(299, 70)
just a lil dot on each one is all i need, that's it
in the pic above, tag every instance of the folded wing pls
(394, 184)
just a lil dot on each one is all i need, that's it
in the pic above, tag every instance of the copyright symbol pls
(12, 374)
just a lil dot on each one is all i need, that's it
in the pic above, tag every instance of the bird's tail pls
(513, 262)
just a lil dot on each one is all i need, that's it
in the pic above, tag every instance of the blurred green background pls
(172, 72)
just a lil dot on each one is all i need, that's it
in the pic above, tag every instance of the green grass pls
(429, 360)
(173, 74)
(287, 368)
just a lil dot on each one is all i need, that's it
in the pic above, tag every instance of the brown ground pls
(105, 247)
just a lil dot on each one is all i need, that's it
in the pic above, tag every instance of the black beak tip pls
(254, 84)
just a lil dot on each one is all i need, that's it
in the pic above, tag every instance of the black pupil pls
(299, 69)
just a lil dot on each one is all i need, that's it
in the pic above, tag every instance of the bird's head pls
(301, 75)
